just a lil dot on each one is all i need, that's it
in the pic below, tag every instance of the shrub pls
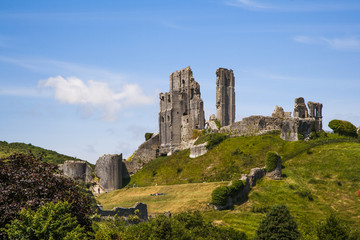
(343, 128)
(278, 224)
(148, 136)
(332, 229)
(218, 124)
(235, 187)
(271, 161)
(50, 221)
(215, 141)
(219, 195)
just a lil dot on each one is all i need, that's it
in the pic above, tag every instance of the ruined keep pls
(315, 111)
(181, 111)
(225, 96)
(109, 170)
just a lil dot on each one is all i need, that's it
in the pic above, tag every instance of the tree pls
(50, 221)
(27, 182)
(278, 224)
(332, 229)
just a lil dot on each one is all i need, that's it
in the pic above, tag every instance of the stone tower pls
(225, 96)
(181, 110)
(109, 169)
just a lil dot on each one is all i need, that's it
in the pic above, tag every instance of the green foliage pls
(235, 187)
(216, 140)
(343, 128)
(271, 161)
(278, 224)
(208, 137)
(332, 229)
(50, 221)
(197, 133)
(218, 124)
(186, 225)
(148, 136)
(7, 149)
(220, 195)
(28, 182)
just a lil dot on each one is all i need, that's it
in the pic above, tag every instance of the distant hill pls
(320, 176)
(7, 149)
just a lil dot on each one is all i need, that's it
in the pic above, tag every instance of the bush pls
(271, 161)
(235, 187)
(332, 229)
(50, 221)
(27, 182)
(278, 224)
(215, 141)
(219, 195)
(343, 128)
(218, 124)
(148, 136)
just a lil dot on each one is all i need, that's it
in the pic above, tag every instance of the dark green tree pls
(278, 224)
(27, 182)
(50, 221)
(332, 229)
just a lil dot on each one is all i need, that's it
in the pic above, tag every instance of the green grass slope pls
(320, 176)
(226, 161)
(7, 149)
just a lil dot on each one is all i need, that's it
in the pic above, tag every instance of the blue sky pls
(83, 77)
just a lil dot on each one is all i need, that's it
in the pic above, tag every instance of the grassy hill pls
(320, 176)
(7, 149)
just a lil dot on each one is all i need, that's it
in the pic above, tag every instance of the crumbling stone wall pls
(147, 151)
(125, 212)
(315, 110)
(78, 170)
(225, 96)
(300, 109)
(181, 110)
(109, 170)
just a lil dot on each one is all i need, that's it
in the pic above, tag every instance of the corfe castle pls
(182, 112)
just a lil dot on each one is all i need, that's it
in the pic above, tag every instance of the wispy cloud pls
(291, 6)
(346, 43)
(96, 95)
(247, 4)
(55, 67)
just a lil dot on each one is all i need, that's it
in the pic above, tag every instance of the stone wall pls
(225, 96)
(198, 150)
(125, 212)
(145, 153)
(109, 170)
(78, 170)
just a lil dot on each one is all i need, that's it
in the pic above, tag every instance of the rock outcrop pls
(198, 150)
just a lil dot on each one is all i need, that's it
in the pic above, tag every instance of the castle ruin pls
(225, 96)
(181, 111)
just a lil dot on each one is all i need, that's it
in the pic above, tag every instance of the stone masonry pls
(78, 170)
(109, 170)
(181, 111)
(225, 96)
(315, 111)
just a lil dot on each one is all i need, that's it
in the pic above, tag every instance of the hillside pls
(6, 149)
(320, 176)
(227, 161)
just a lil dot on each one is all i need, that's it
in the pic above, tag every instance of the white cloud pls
(96, 95)
(346, 43)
